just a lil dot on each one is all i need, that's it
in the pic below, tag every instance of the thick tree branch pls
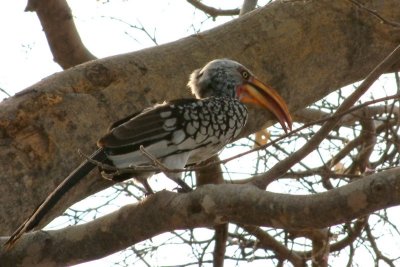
(61, 33)
(205, 207)
(43, 126)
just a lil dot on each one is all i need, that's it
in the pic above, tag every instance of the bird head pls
(228, 78)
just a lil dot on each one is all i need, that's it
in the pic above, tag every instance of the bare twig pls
(378, 253)
(311, 114)
(368, 137)
(268, 242)
(97, 163)
(141, 28)
(214, 12)
(4, 91)
(156, 162)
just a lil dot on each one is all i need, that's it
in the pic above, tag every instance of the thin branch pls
(214, 12)
(368, 135)
(155, 161)
(311, 114)
(353, 233)
(4, 92)
(378, 253)
(141, 28)
(268, 242)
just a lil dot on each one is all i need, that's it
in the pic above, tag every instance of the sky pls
(104, 27)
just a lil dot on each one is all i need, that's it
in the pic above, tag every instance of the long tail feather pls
(43, 209)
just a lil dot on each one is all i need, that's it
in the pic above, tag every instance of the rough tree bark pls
(205, 207)
(305, 49)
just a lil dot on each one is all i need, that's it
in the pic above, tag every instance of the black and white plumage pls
(177, 133)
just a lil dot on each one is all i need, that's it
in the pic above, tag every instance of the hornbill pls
(176, 133)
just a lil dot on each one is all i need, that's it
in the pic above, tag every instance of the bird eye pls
(245, 74)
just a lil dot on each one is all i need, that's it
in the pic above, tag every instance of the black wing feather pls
(146, 126)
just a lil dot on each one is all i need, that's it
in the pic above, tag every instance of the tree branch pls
(61, 33)
(311, 114)
(204, 207)
(268, 242)
(213, 12)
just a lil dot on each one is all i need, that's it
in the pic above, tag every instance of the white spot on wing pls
(170, 122)
(190, 129)
(203, 130)
(165, 114)
(178, 136)
(186, 115)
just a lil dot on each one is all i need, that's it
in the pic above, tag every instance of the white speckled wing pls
(197, 129)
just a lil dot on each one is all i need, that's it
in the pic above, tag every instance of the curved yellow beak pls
(258, 93)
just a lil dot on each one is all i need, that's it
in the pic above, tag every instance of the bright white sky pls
(24, 50)
(25, 57)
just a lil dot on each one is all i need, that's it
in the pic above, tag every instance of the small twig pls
(5, 92)
(167, 171)
(213, 12)
(379, 255)
(103, 166)
(152, 37)
(266, 241)
(156, 162)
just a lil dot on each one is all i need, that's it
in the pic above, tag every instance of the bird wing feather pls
(146, 127)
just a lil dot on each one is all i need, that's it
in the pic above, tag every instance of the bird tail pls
(43, 209)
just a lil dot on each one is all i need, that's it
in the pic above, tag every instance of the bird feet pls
(118, 177)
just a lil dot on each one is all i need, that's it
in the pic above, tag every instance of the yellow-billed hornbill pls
(177, 133)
